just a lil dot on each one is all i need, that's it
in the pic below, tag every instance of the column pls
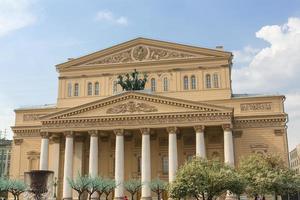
(55, 140)
(228, 153)
(6, 162)
(77, 158)
(146, 164)
(68, 165)
(93, 157)
(44, 151)
(200, 142)
(173, 163)
(119, 164)
(228, 145)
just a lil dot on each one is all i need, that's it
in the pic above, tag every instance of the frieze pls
(131, 107)
(138, 121)
(246, 107)
(32, 117)
(142, 53)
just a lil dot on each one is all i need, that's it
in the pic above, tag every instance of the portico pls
(143, 118)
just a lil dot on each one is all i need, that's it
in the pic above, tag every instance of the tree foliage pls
(110, 186)
(132, 186)
(15, 187)
(267, 174)
(207, 179)
(158, 186)
(80, 184)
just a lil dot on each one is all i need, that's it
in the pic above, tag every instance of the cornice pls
(26, 131)
(204, 107)
(138, 120)
(260, 121)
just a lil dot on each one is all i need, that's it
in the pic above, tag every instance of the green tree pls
(15, 187)
(110, 186)
(132, 186)
(80, 184)
(203, 178)
(158, 186)
(94, 185)
(267, 174)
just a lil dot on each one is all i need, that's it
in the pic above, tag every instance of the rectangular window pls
(165, 165)
(69, 89)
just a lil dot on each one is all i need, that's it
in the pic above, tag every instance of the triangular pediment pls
(143, 50)
(135, 103)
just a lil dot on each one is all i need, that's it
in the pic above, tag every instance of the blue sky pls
(37, 34)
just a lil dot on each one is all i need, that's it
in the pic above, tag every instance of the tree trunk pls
(158, 195)
(15, 197)
(132, 195)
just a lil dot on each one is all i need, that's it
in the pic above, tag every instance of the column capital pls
(93, 133)
(119, 132)
(68, 134)
(227, 127)
(54, 139)
(145, 131)
(172, 129)
(45, 135)
(199, 128)
(18, 141)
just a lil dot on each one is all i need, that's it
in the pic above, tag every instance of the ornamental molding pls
(131, 107)
(142, 53)
(161, 120)
(18, 141)
(253, 107)
(260, 122)
(32, 117)
(26, 131)
(136, 96)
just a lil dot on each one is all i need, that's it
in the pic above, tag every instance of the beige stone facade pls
(187, 107)
(295, 159)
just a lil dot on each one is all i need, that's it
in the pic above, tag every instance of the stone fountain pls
(40, 184)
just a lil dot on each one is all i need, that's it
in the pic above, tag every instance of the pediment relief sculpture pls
(142, 53)
(131, 107)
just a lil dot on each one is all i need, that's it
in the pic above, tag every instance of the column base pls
(146, 198)
(119, 198)
(67, 198)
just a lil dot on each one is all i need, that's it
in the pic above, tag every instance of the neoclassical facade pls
(187, 109)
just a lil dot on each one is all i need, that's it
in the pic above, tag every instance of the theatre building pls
(186, 109)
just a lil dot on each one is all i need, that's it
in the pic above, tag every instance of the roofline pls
(259, 96)
(32, 108)
(75, 60)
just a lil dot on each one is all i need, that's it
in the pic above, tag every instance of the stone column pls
(68, 165)
(93, 157)
(55, 154)
(146, 164)
(173, 163)
(200, 142)
(228, 145)
(228, 153)
(119, 164)
(44, 151)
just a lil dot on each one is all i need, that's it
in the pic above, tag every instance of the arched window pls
(185, 83)
(166, 84)
(216, 80)
(97, 88)
(208, 81)
(115, 87)
(193, 82)
(76, 89)
(153, 85)
(69, 89)
(90, 89)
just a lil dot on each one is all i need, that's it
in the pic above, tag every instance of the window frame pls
(165, 84)
(216, 81)
(153, 85)
(193, 82)
(69, 88)
(208, 81)
(96, 88)
(185, 83)
(90, 89)
(76, 89)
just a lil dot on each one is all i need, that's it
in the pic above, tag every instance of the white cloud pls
(108, 16)
(15, 14)
(275, 68)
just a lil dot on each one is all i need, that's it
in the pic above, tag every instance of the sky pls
(35, 35)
